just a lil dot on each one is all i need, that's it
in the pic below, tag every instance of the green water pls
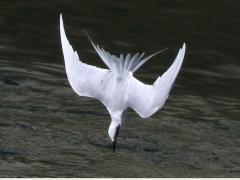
(46, 130)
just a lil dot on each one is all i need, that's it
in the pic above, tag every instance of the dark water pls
(46, 130)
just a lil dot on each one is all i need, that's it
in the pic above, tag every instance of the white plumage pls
(116, 87)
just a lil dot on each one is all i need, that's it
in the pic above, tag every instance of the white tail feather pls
(122, 65)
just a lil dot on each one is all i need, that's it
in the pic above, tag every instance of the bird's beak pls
(114, 145)
(115, 138)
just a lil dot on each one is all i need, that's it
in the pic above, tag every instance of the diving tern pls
(116, 87)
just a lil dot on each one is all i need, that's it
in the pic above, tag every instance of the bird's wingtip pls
(184, 45)
(62, 30)
(61, 22)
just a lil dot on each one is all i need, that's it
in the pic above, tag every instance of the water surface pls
(46, 130)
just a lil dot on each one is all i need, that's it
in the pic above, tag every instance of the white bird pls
(116, 87)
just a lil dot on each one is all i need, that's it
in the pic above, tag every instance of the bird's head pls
(113, 132)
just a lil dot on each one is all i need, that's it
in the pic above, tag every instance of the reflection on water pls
(48, 131)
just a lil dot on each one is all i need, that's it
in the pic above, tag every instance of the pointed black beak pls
(115, 138)
(114, 145)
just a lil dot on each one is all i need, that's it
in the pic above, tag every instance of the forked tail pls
(122, 65)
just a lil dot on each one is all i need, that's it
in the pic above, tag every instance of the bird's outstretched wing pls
(83, 78)
(147, 99)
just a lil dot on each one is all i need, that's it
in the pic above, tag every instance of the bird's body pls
(116, 87)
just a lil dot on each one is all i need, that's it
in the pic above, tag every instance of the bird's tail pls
(122, 65)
